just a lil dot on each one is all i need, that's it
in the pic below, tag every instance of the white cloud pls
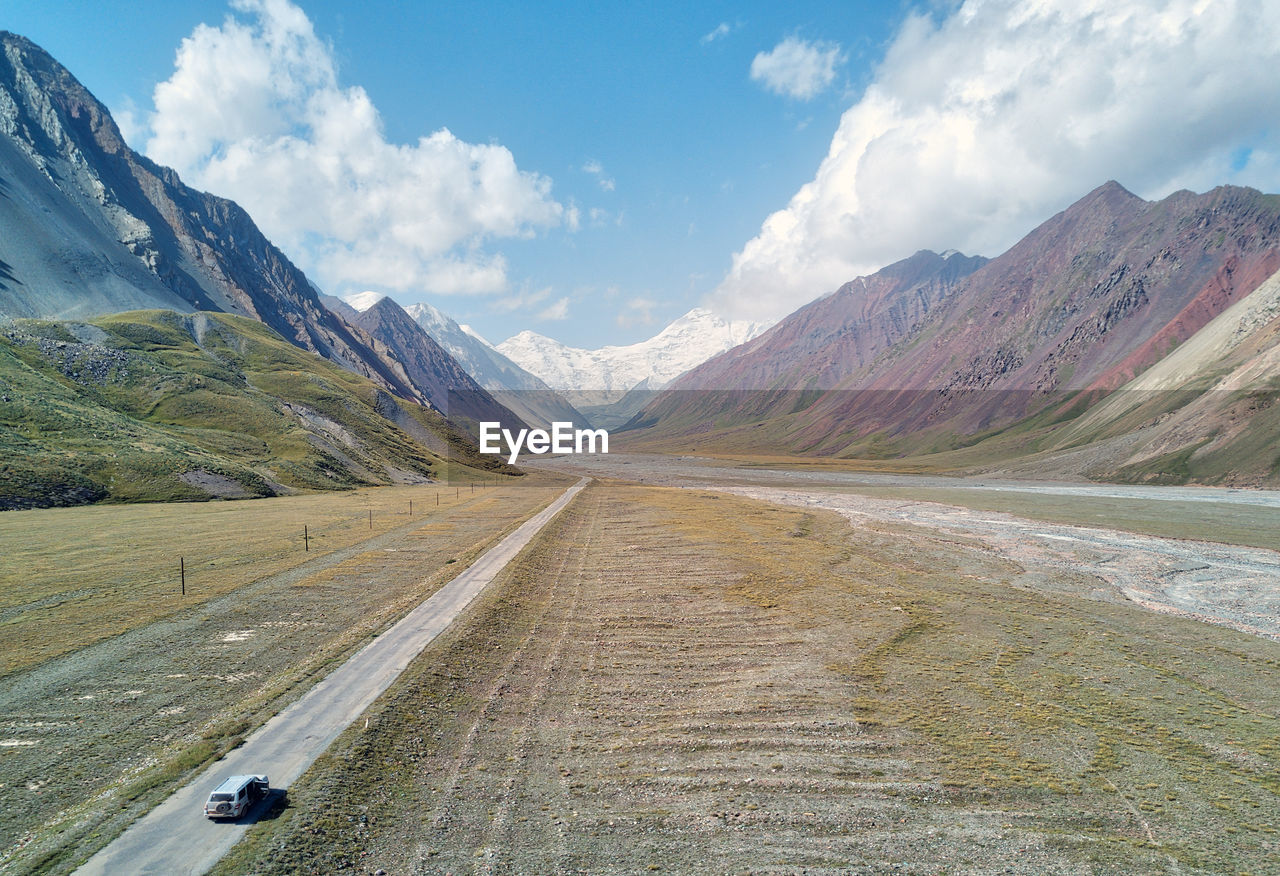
(572, 216)
(521, 300)
(126, 117)
(605, 181)
(979, 127)
(637, 311)
(557, 311)
(254, 112)
(721, 30)
(600, 218)
(797, 68)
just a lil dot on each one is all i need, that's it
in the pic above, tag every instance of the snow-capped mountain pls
(491, 369)
(610, 372)
(518, 390)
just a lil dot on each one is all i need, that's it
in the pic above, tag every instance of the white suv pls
(233, 797)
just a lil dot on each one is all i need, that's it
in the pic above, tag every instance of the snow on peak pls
(486, 365)
(688, 342)
(475, 334)
(362, 301)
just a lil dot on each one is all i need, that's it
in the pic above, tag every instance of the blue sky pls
(696, 151)
(606, 168)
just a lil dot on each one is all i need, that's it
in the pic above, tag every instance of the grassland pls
(682, 681)
(160, 406)
(75, 576)
(116, 687)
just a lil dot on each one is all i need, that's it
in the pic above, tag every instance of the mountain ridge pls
(612, 371)
(484, 372)
(196, 251)
(1082, 305)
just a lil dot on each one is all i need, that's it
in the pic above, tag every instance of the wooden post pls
(437, 498)
(371, 518)
(410, 507)
(182, 570)
(306, 542)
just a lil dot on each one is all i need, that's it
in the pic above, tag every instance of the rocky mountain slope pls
(441, 378)
(1205, 412)
(517, 389)
(88, 227)
(833, 337)
(1093, 297)
(491, 369)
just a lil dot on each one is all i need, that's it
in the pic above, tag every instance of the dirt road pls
(176, 838)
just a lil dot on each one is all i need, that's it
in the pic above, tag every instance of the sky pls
(593, 171)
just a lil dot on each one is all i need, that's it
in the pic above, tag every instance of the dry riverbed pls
(678, 680)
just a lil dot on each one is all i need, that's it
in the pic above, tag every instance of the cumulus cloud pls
(797, 68)
(978, 127)
(254, 111)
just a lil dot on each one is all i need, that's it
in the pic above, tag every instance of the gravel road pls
(175, 837)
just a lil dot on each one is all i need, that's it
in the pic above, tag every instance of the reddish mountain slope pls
(829, 339)
(1093, 296)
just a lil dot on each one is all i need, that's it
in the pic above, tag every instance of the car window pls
(219, 798)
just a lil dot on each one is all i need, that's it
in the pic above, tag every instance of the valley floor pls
(686, 681)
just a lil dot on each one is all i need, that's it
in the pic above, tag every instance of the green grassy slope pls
(155, 405)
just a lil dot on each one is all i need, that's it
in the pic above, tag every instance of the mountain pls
(491, 369)
(445, 383)
(1092, 298)
(831, 338)
(599, 379)
(160, 405)
(90, 227)
(1206, 412)
(529, 397)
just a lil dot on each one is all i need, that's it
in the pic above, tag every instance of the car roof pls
(233, 783)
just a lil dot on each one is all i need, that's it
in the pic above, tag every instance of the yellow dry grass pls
(73, 576)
